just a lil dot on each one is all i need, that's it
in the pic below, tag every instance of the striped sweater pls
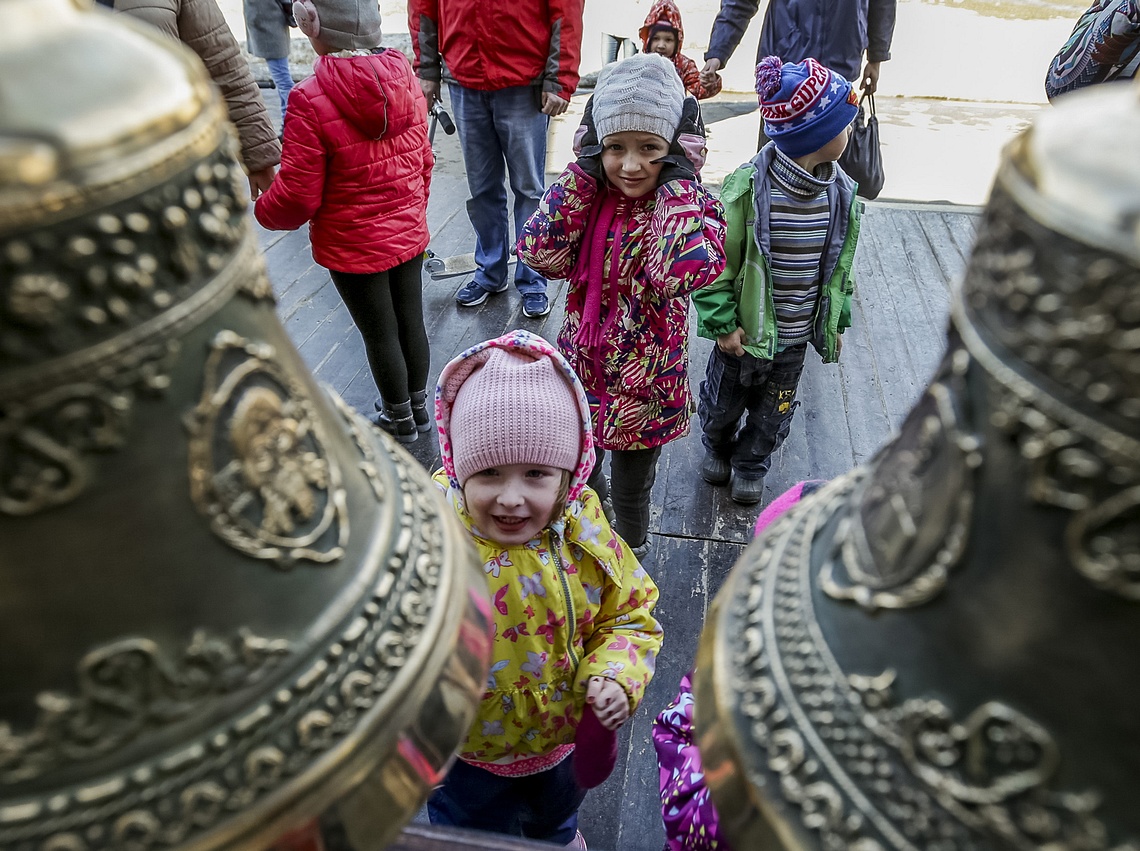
(800, 215)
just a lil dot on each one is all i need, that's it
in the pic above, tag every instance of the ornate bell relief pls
(259, 469)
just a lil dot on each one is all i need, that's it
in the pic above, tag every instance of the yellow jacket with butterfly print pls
(571, 604)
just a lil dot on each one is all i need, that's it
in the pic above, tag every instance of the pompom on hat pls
(340, 24)
(513, 400)
(643, 94)
(804, 104)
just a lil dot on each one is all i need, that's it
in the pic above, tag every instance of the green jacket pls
(741, 296)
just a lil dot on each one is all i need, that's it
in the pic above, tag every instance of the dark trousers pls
(539, 806)
(632, 474)
(766, 389)
(388, 309)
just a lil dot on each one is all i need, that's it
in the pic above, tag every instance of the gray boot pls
(715, 470)
(747, 491)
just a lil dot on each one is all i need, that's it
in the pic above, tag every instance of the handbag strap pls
(869, 97)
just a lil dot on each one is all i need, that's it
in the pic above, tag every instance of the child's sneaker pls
(747, 491)
(535, 305)
(715, 470)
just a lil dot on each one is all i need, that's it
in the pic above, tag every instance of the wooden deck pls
(907, 259)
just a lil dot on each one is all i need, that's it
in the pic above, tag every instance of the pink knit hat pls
(513, 400)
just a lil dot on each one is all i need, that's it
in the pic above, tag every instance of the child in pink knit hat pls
(575, 637)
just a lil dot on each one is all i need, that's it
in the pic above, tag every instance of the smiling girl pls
(573, 609)
(635, 233)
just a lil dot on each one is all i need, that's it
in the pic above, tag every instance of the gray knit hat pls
(341, 24)
(642, 93)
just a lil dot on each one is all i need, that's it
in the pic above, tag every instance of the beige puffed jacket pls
(199, 25)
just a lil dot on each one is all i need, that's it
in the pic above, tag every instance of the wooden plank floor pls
(907, 260)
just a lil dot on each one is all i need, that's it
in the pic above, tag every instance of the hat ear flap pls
(308, 21)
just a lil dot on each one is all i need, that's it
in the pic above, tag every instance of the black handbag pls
(863, 159)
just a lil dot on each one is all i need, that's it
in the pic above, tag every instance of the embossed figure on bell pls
(939, 649)
(229, 608)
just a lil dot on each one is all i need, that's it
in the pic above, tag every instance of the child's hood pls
(663, 10)
(459, 369)
(376, 93)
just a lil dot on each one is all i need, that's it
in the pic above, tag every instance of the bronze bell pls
(228, 605)
(940, 650)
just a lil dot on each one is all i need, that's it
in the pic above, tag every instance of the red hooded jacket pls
(356, 164)
(666, 11)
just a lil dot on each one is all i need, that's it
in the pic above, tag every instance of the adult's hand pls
(431, 90)
(259, 181)
(870, 80)
(552, 104)
(708, 73)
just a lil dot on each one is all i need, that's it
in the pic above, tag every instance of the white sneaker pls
(578, 842)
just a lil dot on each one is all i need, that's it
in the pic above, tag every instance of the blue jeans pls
(283, 80)
(766, 389)
(612, 45)
(539, 806)
(503, 134)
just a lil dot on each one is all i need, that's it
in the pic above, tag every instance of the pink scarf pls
(591, 263)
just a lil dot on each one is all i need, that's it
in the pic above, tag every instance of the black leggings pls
(388, 309)
(632, 473)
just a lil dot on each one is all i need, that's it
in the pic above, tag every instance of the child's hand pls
(708, 73)
(588, 147)
(681, 163)
(609, 701)
(732, 344)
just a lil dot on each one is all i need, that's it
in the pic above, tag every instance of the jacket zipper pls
(571, 618)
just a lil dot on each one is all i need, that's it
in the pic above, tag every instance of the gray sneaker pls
(715, 470)
(747, 491)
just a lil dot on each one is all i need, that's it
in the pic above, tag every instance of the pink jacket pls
(655, 251)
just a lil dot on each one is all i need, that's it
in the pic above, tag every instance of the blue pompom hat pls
(804, 104)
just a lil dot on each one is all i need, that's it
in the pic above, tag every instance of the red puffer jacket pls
(495, 44)
(356, 164)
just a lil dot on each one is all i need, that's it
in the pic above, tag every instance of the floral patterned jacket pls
(570, 604)
(665, 246)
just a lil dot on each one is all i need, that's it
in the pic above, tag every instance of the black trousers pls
(766, 389)
(388, 309)
(632, 474)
